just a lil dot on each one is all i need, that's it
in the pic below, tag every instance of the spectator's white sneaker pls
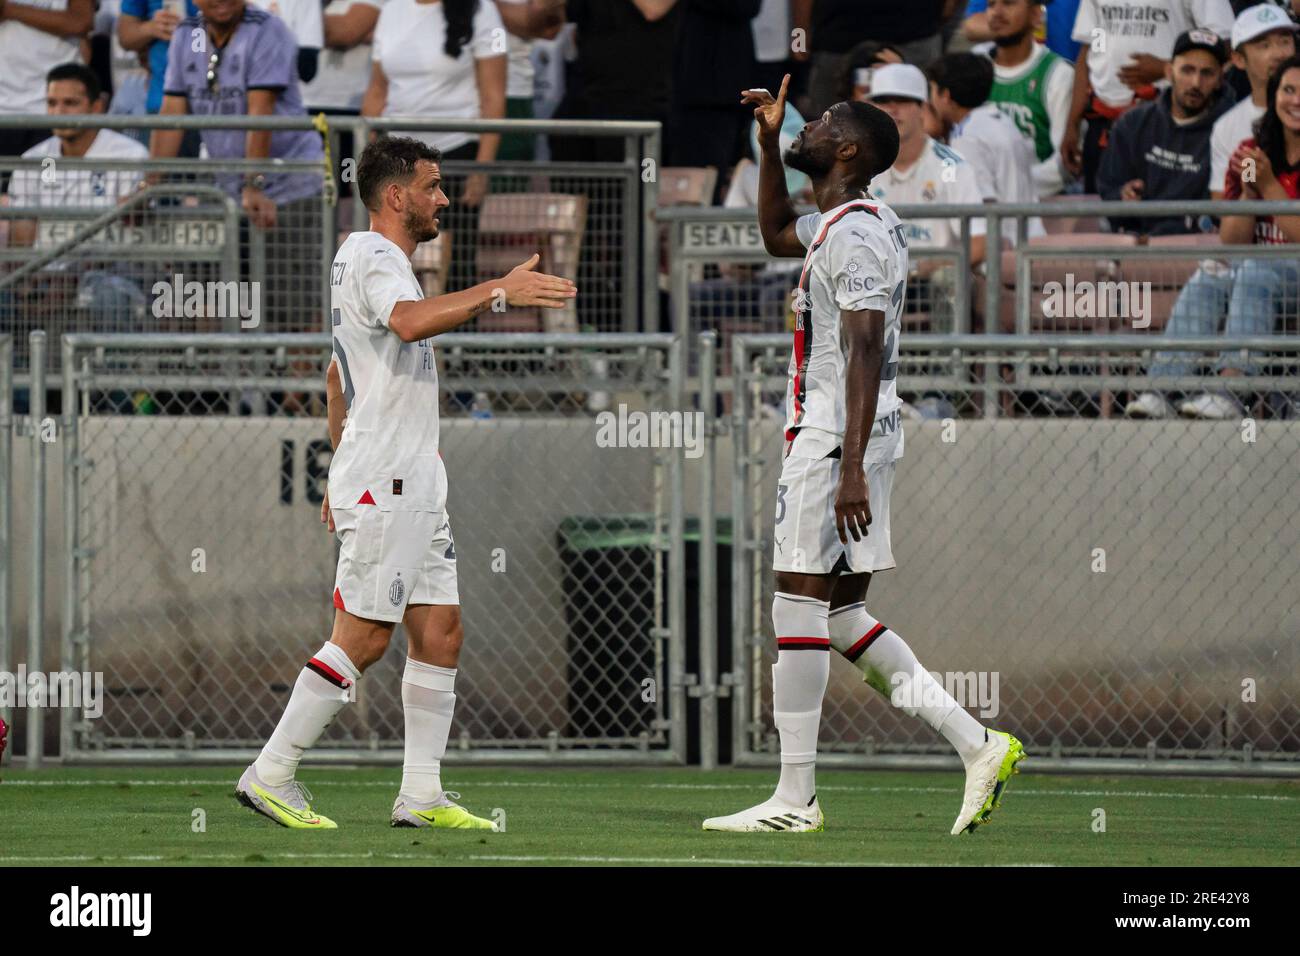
(1216, 406)
(1149, 405)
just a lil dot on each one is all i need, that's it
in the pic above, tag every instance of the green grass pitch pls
(145, 815)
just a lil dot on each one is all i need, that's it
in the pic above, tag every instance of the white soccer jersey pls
(1112, 31)
(1229, 130)
(1002, 160)
(856, 259)
(940, 175)
(389, 451)
(52, 186)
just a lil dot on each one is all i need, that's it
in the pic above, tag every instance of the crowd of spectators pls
(995, 100)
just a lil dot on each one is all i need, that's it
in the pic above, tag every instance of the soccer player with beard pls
(387, 492)
(843, 439)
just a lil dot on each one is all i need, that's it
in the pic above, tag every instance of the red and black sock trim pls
(319, 667)
(803, 643)
(861, 644)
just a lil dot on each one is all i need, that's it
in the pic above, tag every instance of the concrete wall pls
(994, 534)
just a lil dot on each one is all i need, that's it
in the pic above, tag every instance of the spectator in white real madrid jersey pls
(108, 296)
(985, 136)
(926, 171)
(73, 89)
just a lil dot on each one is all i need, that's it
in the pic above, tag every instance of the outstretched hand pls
(769, 112)
(523, 286)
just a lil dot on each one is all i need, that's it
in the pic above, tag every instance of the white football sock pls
(428, 703)
(798, 686)
(891, 668)
(323, 687)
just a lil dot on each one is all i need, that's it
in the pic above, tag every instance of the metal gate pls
(198, 577)
(1127, 589)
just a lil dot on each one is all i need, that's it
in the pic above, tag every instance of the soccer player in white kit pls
(388, 491)
(843, 436)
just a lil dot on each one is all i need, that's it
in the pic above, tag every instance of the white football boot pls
(774, 816)
(986, 779)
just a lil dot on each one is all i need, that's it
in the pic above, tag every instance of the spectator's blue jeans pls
(1249, 296)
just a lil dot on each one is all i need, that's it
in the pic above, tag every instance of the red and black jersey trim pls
(803, 330)
(330, 674)
(866, 640)
(803, 643)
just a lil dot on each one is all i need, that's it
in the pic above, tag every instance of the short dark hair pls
(390, 158)
(876, 134)
(1269, 135)
(79, 72)
(968, 77)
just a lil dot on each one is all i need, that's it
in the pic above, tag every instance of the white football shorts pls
(389, 559)
(805, 538)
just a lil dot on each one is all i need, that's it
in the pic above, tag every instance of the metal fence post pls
(677, 559)
(36, 609)
(6, 507)
(650, 237)
(71, 537)
(708, 550)
(740, 545)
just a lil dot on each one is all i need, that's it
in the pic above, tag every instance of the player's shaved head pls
(873, 130)
(390, 159)
(819, 148)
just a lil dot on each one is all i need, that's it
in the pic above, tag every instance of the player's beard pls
(1013, 39)
(419, 228)
(804, 160)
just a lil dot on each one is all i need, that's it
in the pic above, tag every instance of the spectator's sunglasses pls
(214, 63)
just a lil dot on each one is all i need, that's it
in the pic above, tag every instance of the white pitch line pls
(1021, 791)
(483, 857)
(710, 861)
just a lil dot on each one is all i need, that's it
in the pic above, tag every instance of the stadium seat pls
(511, 227)
(1065, 225)
(686, 186)
(430, 263)
(1071, 263)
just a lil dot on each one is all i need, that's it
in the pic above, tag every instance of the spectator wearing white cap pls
(926, 171)
(985, 136)
(1263, 37)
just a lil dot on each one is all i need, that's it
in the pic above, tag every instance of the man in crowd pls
(1161, 150)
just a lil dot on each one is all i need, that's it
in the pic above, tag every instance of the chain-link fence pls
(1104, 589)
(132, 244)
(198, 575)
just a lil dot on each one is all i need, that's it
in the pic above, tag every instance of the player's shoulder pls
(370, 245)
(864, 223)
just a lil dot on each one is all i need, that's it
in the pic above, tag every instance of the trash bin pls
(608, 584)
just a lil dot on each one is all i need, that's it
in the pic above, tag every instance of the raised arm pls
(776, 213)
(415, 320)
